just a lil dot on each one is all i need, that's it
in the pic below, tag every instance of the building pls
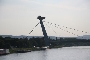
(4, 51)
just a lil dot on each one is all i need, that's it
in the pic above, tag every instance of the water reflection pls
(66, 53)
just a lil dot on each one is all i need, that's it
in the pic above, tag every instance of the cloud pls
(78, 5)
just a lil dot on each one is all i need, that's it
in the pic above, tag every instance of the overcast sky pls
(18, 17)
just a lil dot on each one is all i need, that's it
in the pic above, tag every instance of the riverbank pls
(24, 50)
(64, 53)
(16, 50)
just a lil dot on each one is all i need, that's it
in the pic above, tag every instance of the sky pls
(19, 17)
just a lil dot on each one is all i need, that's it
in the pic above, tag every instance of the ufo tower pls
(43, 30)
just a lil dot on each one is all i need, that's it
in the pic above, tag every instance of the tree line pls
(9, 42)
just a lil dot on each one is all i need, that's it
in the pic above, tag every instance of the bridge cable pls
(33, 28)
(52, 29)
(62, 29)
(68, 28)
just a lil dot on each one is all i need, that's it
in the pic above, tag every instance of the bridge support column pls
(43, 30)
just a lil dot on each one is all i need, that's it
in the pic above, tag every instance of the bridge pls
(56, 26)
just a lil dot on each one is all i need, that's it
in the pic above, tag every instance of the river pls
(65, 53)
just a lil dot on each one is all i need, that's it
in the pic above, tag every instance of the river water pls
(65, 53)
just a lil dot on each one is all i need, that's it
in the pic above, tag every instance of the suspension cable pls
(33, 28)
(62, 29)
(67, 27)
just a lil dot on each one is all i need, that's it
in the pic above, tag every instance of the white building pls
(4, 51)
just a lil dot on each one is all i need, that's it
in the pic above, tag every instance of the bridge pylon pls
(43, 30)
